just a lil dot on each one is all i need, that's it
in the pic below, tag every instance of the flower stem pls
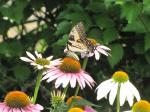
(65, 90)
(84, 63)
(37, 86)
(83, 67)
(118, 98)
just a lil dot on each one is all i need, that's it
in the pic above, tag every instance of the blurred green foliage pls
(44, 25)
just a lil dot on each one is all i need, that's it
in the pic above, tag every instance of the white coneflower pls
(39, 61)
(127, 89)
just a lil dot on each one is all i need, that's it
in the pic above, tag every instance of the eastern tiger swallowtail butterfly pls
(77, 41)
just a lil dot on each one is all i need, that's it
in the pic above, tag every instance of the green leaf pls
(15, 11)
(96, 7)
(135, 26)
(21, 72)
(63, 41)
(116, 54)
(41, 45)
(95, 33)
(147, 42)
(83, 102)
(146, 6)
(147, 56)
(74, 7)
(11, 49)
(76, 17)
(108, 3)
(139, 47)
(131, 11)
(110, 35)
(4, 26)
(63, 27)
(103, 21)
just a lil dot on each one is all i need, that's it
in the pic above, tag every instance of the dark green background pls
(122, 25)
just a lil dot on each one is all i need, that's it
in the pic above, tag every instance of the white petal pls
(49, 58)
(25, 59)
(97, 55)
(104, 47)
(123, 94)
(67, 79)
(104, 88)
(129, 95)
(73, 81)
(60, 80)
(39, 67)
(134, 91)
(102, 51)
(113, 93)
(30, 55)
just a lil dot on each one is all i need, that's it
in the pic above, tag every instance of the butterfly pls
(77, 41)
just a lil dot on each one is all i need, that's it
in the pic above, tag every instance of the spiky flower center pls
(93, 41)
(42, 61)
(141, 106)
(57, 98)
(70, 65)
(120, 77)
(76, 109)
(17, 99)
(73, 97)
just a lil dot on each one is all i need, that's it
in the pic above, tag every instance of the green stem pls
(65, 90)
(84, 63)
(83, 67)
(118, 98)
(37, 86)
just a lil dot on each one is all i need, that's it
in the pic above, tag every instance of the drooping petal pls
(82, 80)
(67, 79)
(113, 93)
(129, 95)
(134, 90)
(123, 94)
(97, 55)
(73, 81)
(104, 88)
(60, 80)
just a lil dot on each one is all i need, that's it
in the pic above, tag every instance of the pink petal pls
(73, 81)
(89, 109)
(67, 79)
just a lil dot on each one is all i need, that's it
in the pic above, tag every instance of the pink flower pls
(89, 109)
(17, 101)
(69, 72)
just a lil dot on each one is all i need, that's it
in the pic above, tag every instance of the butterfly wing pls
(77, 41)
